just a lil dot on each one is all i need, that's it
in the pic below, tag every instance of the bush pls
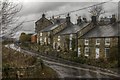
(25, 38)
(73, 53)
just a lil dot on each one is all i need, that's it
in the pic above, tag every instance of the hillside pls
(20, 65)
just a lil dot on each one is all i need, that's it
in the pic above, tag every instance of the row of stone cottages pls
(89, 38)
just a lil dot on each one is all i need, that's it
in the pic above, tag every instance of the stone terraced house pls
(87, 38)
(47, 34)
(41, 24)
(67, 39)
(100, 42)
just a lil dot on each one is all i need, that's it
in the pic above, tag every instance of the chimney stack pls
(113, 19)
(68, 19)
(79, 20)
(58, 19)
(94, 20)
(85, 20)
(53, 17)
(43, 15)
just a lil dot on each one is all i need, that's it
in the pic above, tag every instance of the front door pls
(97, 52)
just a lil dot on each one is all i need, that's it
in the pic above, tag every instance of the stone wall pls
(41, 24)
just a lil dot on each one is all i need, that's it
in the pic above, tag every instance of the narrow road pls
(71, 71)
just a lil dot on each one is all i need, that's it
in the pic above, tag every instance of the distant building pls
(34, 38)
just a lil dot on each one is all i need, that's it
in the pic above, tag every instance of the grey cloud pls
(40, 7)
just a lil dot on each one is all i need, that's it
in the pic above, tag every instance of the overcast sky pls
(32, 10)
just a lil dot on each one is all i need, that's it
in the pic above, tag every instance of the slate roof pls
(103, 31)
(72, 29)
(54, 25)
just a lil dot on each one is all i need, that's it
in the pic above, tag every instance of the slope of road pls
(70, 71)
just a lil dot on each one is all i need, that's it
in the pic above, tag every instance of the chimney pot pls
(85, 20)
(58, 19)
(94, 21)
(79, 20)
(113, 19)
(68, 19)
(52, 17)
(43, 15)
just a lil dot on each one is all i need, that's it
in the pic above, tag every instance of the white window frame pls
(54, 45)
(87, 50)
(58, 38)
(107, 41)
(86, 42)
(41, 40)
(70, 43)
(71, 36)
(79, 52)
(97, 41)
(45, 39)
(48, 33)
(97, 53)
(106, 52)
(48, 40)
(41, 34)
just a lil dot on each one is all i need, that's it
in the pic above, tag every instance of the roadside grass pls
(71, 56)
(14, 61)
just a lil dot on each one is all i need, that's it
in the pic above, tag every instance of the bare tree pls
(8, 12)
(96, 10)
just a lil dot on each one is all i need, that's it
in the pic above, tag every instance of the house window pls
(79, 51)
(97, 41)
(58, 46)
(86, 51)
(41, 41)
(54, 45)
(97, 53)
(40, 34)
(45, 39)
(48, 33)
(71, 36)
(86, 42)
(48, 40)
(70, 43)
(58, 38)
(107, 41)
(107, 51)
